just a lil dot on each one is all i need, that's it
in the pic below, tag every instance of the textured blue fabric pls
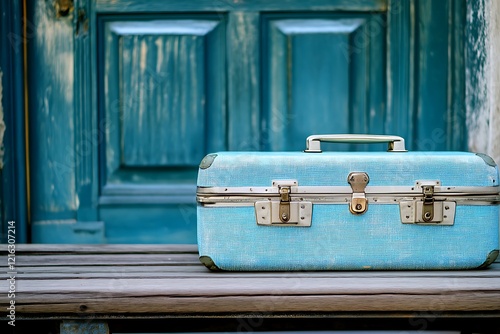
(248, 169)
(337, 239)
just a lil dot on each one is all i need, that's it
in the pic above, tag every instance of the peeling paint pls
(2, 123)
(494, 140)
(51, 94)
(50, 37)
(483, 84)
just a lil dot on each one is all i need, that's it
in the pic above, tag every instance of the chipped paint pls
(53, 34)
(494, 140)
(2, 123)
(54, 151)
(483, 83)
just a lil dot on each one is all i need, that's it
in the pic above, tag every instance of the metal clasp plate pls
(427, 211)
(284, 212)
(358, 182)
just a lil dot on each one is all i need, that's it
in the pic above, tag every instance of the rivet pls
(302, 206)
(447, 207)
(427, 215)
(359, 206)
(302, 218)
(263, 208)
(445, 216)
(407, 217)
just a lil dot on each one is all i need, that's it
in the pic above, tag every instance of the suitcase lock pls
(358, 182)
(428, 210)
(284, 210)
(428, 205)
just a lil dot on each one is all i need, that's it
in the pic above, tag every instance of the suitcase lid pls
(426, 185)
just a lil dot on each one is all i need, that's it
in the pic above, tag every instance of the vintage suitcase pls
(347, 210)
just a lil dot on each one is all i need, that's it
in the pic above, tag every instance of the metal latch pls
(284, 204)
(428, 204)
(427, 210)
(284, 212)
(358, 182)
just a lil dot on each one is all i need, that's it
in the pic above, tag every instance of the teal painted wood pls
(149, 223)
(456, 116)
(83, 327)
(243, 75)
(51, 112)
(172, 111)
(13, 188)
(477, 66)
(324, 75)
(338, 239)
(159, 71)
(88, 131)
(68, 231)
(419, 59)
(154, 6)
(432, 63)
(400, 79)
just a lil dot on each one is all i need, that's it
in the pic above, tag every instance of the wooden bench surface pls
(139, 281)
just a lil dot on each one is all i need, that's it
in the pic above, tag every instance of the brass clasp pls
(284, 204)
(358, 182)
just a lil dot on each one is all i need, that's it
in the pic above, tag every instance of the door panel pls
(162, 104)
(163, 88)
(319, 74)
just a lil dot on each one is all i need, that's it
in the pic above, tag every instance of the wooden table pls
(124, 287)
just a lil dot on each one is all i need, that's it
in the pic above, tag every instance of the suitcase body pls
(316, 210)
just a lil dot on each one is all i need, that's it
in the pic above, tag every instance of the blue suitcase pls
(317, 210)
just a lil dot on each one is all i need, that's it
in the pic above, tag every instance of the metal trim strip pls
(336, 190)
(229, 201)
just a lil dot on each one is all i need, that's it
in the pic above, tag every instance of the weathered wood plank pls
(101, 249)
(96, 259)
(259, 286)
(264, 304)
(163, 272)
(197, 270)
(77, 280)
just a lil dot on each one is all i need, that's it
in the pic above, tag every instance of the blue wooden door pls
(156, 85)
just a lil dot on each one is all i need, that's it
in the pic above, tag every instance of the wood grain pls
(169, 281)
(247, 5)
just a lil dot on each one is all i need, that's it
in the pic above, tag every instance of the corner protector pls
(207, 161)
(487, 159)
(209, 263)
(492, 256)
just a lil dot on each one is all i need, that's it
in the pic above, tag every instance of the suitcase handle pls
(396, 143)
